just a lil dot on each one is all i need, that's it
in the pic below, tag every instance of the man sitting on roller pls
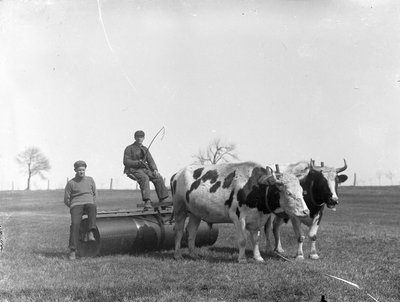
(140, 166)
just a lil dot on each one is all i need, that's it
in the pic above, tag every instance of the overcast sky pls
(285, 80)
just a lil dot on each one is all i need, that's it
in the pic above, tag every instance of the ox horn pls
(278, 171)
(269, 178)
(312, 162)
(338, 170)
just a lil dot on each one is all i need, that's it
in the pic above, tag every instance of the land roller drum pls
(127, 232)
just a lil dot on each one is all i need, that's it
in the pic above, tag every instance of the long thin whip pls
(148, 148)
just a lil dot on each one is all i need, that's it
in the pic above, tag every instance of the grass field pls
(359, 243)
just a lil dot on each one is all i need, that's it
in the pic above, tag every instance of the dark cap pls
(139, 133)
(80, 163)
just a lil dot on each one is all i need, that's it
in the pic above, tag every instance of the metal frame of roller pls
(133, 231)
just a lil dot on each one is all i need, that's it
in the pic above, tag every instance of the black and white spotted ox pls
(319, 188)
(244, 194)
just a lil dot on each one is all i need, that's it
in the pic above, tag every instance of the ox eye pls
(289, 193)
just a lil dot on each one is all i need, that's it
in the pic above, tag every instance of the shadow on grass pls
(210, 254)
(51, 254)
(233, 252)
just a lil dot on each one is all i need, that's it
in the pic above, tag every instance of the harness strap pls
(278, 211)
(266, 200)
(312, 195)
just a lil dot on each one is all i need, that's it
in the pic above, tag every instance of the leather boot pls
(147, 205)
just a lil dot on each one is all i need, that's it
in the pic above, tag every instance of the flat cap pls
(139, 133)
(80, 163)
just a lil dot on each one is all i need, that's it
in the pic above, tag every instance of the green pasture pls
(360, 243)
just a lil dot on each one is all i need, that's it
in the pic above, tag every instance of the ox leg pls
(191, 228)
(300, 237)
(277, 235)
(267, 232)
(313, 254)
(255, 240)
(313, 236)
(180, 217)
(240, 225)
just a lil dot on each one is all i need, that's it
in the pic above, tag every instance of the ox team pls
(245, 194)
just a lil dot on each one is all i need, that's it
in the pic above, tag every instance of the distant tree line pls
(33, 162)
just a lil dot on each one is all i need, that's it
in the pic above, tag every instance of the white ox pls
(244, 194)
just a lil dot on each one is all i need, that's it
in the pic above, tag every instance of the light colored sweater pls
(79, 191)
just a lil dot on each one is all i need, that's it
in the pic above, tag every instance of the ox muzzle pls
(332, 202)
(306, 212)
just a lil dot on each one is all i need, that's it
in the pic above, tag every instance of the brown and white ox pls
(232, 193)
(320, 188)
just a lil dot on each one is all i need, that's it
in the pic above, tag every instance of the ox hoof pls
(178, 256)
(279, 251)
(242, 261)
(194, 256)
(299, 258)
(258, 259)
(314, 256)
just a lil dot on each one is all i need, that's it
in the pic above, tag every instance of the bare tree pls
(34, 163)
(216, 152)
(379, 175)
(389, 174)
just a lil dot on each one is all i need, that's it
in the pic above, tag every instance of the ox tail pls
(172, 183)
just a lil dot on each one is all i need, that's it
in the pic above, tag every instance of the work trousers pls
(76, 217)
(144, 177)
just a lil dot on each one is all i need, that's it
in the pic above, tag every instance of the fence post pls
(355, 179)
(111, 184)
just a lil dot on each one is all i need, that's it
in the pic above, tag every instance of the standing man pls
(140, 166)
(80, 196)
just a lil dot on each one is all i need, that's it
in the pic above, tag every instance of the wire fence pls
(124, 183)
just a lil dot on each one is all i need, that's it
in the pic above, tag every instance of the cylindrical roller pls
(130, 232)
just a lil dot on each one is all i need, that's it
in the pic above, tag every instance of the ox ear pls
(301, 168)
(301, 176)
(342, 178)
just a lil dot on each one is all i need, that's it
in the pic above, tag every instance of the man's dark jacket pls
(133, 154)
